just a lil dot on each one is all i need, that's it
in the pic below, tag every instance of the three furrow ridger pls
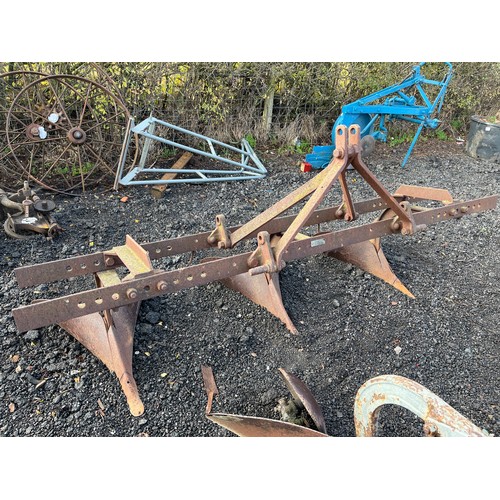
(103, 319)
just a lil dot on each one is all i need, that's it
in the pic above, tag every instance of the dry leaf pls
(14, 358)
(12, 407)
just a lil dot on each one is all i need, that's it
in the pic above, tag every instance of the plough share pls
(103, 319)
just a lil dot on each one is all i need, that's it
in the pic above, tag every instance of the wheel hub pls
(35, 132)
(76, 135)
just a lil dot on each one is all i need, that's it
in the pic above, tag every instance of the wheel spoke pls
(63, 110)
(85, 104)
(102, 141)
(19, 120)
(41, 141)
(102, 123)
(31, 162)
(98, 158)
(81, 169)
(47, 172)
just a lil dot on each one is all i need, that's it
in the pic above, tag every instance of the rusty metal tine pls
(368, 256)
(244, 426)
(440, 419)
(112, 344)
(210, 386)
(264, 290)
(301, 393)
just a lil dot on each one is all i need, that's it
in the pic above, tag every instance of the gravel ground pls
(349, 322)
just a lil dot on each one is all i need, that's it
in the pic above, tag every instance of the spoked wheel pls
(66, 132)
(11, 83)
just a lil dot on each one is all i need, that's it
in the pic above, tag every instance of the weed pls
(400, 139)
(303, 147)
(75, 170)
(441, 135)
(167, 153)
(251, 140)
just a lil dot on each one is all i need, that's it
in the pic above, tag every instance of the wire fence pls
(279, 102)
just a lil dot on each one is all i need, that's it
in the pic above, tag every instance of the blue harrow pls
(406, 101)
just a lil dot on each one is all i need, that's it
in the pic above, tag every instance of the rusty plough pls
(103, 319)
(440, 419)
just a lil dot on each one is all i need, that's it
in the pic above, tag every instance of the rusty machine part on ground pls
(439, 418)
(103, 319)
(26, 214)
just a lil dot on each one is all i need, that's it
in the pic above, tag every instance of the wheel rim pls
(66, 132)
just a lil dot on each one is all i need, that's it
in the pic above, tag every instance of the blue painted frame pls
(400, 106)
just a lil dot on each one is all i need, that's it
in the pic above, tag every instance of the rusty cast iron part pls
(26, 214)
(210, 386)
(246, 426)
(440, 419)
(255, 274)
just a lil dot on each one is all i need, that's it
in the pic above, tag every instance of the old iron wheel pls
(81, 132)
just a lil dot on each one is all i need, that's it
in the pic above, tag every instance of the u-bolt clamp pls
(262, 259)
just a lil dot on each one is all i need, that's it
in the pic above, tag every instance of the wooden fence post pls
(267, 114)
